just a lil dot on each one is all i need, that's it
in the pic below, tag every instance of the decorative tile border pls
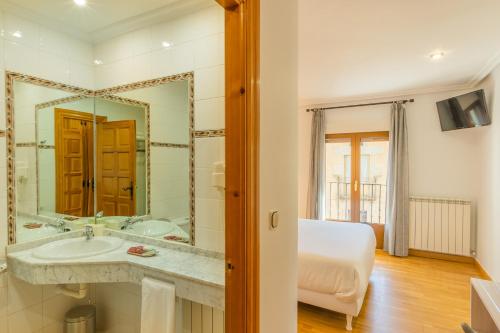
(55, 102)
(80, 93)
(210, 133)
(46, 147)
(26, 144)
(168, 145)
(2, 134)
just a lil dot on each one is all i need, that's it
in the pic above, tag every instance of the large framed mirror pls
(122, 157)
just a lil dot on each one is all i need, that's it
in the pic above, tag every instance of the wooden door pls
(116, 165)
(73, 170)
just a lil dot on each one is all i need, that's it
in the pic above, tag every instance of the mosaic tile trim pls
(46, 147)
(80, 93)
(210, 133)
(168, 145)
(25, 144)
(59, 101)
(145, 84)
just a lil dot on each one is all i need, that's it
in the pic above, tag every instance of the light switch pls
(274, 219)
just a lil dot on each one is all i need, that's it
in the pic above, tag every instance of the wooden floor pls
(406, 295)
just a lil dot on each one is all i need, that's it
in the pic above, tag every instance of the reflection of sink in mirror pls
(157, 229)
(26, 235)
(76, 248)
(182, 222)
(112, 222)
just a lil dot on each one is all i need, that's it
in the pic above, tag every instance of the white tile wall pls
(119, 311)
(26, 308)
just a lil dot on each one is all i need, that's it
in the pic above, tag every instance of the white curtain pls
(397, 222)
(316, 192)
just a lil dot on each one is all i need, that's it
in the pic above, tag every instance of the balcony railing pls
(372, 202)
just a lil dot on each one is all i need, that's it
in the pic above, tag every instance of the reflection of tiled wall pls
(198, 45)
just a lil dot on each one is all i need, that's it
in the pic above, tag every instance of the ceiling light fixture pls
(17, 34)
(98, 62)
(437, 55)
(166, 44)
(80, 3)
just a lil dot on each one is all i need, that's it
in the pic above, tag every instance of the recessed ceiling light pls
(98, 62)
(80, 3)
(17, 34)
(436, 55)
(166, 44)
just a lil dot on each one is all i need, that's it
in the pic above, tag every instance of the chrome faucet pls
(89, 232)
(129, 221)
(60, 224)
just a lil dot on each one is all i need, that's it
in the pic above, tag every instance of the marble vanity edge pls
(3, 265)
(200, 291)
(73, 265)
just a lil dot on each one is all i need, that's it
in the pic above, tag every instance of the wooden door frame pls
(356, 139)
(242, 143)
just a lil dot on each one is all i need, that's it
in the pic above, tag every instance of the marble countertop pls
(198, 275)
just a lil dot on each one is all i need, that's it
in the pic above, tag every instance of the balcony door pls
(356, 178)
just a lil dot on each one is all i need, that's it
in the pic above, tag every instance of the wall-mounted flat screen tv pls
(464, 111)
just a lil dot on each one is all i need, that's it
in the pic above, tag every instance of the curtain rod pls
(404, 101)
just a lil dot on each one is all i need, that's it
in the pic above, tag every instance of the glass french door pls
(356, 178)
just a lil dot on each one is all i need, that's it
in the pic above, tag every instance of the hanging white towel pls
(158, 307)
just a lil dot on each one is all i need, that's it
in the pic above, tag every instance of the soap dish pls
(142, 251)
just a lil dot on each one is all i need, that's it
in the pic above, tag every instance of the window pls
(356, 176)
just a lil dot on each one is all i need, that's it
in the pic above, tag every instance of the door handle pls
(355, 186)
(131, 189)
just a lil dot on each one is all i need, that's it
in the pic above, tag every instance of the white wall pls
(488, 235)
(278, 166)
(26, 308)
(442, 164)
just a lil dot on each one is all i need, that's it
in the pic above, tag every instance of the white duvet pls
(335, 258)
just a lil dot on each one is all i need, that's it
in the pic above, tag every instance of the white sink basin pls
(151, 228)
(75, 248)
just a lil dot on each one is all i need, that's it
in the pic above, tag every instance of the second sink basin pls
(151, 228)
(75, 248)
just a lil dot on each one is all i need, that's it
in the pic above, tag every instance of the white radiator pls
(441, 225)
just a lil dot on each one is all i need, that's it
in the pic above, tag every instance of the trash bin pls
(80, 319)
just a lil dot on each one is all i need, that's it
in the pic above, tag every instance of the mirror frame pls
(109, 94)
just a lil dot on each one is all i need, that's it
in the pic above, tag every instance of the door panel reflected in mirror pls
(53, 150)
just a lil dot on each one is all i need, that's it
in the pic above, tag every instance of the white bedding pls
(335, 258)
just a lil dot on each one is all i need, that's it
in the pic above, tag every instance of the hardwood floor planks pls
(406, 295)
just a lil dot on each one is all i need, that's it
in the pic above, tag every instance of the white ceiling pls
(359, 49)
(101, 19)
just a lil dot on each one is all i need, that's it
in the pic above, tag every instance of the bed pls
(335, 263)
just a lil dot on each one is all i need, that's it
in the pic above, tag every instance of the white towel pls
(158, 307)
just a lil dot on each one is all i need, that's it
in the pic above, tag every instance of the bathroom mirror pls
(122, 156)
(168, 163)
(51, 141)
